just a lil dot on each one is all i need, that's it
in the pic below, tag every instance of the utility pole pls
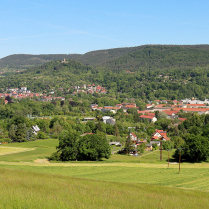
(168, 157)
(161, 150)
(180, 158)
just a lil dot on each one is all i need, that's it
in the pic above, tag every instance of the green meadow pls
(119, 182)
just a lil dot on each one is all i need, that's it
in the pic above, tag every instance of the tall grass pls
(27, 189)
(189, 178)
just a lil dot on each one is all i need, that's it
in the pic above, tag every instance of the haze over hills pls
(132, 58)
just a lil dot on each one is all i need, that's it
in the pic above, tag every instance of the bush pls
(55, 156)
(6, 140)
(41, 135)
(154, 146)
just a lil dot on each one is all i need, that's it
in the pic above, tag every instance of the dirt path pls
(41, 161)
(44, 162)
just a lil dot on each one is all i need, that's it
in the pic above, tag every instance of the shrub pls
(41, 135)
(6, 140)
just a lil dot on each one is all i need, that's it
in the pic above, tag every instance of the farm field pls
(119, 182)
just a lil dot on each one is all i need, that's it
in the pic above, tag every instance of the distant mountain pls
(130, 58)
(25, 61)
(162, 57)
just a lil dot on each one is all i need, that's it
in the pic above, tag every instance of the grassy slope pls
(42, 149)
(120, 182)
(26, 189)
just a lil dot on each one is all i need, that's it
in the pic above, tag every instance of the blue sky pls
(65, 27)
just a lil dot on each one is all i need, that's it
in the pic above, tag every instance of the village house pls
(36, 129)
(159, 135)
(133, 137)
(89, 119)
(152, 119)
(108, 119)
(118, 144)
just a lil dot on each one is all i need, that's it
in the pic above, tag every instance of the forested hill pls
(162, 58)
(144, 84)
(25, 61)
(49, 76)
(148, 57)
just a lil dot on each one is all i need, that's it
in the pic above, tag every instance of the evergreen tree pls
(129, 144)
(12, 131)
(116, 132)
(20, 133)
(30, 135)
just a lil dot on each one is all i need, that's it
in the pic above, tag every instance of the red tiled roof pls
(146, 116)
(160, 105)
(198, 105)
(192, 109)
(109, 108)
(182, 119)
(130, 106)
(133, 134)
(151, 114)
(116, 108)
(166, 138)
(170, 112)
(143, 111)
(161, 132)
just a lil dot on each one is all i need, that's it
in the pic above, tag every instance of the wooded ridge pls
(151, 56)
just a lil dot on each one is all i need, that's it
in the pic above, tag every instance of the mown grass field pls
(119, 182)
(40, 149)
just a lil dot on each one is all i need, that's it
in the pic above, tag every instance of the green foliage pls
(30, 136)
(5, 140)
(167, 145)
(154, 146)
(196, 148)
(178, 141)
(20, 134)
(116, 131)
(185, 69)
(93, 147)
(41, 135)
(129, 144)
(141, 148)
(68, 146)
(12, 131)
(90, 147)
